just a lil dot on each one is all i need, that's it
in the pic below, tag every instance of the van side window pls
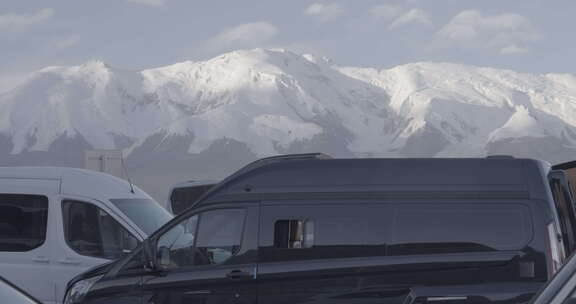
(458, 228)
(23, 222)
(179, 241)
(323, 231)
(210, 238)
(91, 231)
(294, 234)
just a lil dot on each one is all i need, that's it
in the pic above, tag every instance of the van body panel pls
(75, 181)
(68, 263)
(363, 175)
(29, 185)
(323, 277)
(336, 231)
(27, 268)
(45, 271)
(199, 284)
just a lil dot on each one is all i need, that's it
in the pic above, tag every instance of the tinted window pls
(182, 198)
(312, 231)
(294, 234)
(147, 214)
(23, 221)
(219, 236)
(91, 231)
(451, 228)
(179, 241)
(212, 237)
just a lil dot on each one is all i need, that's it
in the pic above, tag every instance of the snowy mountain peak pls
(520, 124)
(270, 101)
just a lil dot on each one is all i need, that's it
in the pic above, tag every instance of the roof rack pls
(261, 163)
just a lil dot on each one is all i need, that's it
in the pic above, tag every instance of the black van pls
(182, 195)
(310, 229)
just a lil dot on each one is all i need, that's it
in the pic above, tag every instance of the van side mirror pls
(164, 257)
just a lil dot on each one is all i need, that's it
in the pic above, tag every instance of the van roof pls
(194, 183)
(292, 176)
(64, 180)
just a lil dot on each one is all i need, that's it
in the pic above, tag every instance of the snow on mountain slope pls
(468, 109)
(266, 102)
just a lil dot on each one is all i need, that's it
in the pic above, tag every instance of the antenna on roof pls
(126, 173)
(108, 161)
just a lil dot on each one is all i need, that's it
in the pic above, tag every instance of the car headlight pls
(78, 291)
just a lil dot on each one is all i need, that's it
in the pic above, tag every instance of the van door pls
(89, 235)
(372, 252)
(326, 252)
(208, 257)
(26, 243)
(467, 251)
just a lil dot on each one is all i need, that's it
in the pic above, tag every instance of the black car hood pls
(92, 272)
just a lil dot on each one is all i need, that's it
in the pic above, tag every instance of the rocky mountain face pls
(195, 120)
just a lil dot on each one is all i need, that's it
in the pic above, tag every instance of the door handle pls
(446, 299)
(197, 292)
(238, 274)
(69, 262)
(41, 260)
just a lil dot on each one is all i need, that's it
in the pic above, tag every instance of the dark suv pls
(310, 229)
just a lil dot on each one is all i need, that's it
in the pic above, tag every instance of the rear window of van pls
(452, 228)
(23, 221)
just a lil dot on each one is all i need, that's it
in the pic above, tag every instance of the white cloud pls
(247, 35)
(398, 16)
(149, 2)
(411, 17)
(513, 49)
(505, 33)
(386, 11)
(325, 12)
(16, 22)
(66, 42)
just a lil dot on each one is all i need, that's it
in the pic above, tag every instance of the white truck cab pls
(57, 222)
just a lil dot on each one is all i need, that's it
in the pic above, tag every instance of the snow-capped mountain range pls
(254, 103)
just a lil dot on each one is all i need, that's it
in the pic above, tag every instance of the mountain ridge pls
(246, 104)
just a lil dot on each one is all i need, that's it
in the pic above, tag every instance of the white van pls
(57, 222)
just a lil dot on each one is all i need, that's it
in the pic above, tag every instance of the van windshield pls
(147, 214)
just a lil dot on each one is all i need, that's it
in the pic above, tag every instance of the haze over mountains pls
(195, 120)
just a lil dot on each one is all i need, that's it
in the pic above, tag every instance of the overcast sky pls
(524, 35)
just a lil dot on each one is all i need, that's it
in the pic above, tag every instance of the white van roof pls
(71, 181)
